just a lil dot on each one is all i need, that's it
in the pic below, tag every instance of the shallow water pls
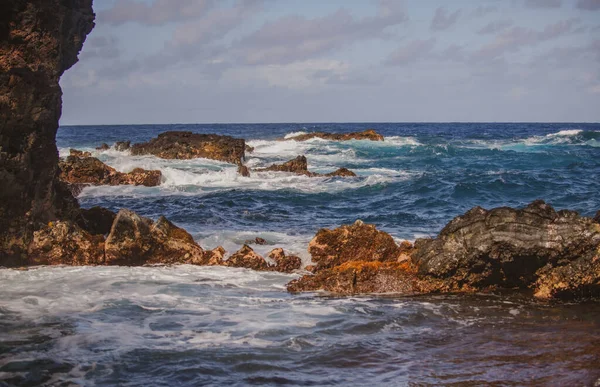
(197, 325)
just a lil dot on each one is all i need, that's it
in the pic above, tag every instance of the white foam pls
(294, 134)
(402, 141)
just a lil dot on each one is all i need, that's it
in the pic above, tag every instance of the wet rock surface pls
(299, 166)
(556, 254)
(78, 153)
(368, 134)
(35, 50)
(90, 170)
(188, 145)
(122, 146)
(284, 263)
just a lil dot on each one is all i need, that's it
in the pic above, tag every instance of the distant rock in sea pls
(368, 134)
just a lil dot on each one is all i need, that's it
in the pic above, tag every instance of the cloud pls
(495, 27)
(411, 52)
(101, 47)
(157, 13)
(483, 10)
(442, 19)
(296, 38)
(543, 3)
(588, 5)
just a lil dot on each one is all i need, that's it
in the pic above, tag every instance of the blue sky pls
(208, 61)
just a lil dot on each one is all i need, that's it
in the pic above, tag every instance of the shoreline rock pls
(91, 171)
(299, 166)
(369, 134)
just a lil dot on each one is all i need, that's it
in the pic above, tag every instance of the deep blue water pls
(189, 325)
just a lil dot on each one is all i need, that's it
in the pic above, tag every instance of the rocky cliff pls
(39, 41)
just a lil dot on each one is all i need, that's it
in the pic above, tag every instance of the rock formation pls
(91, 171)
(188, 145)
(246, 257)
(78, 153)
(39, 40)
(122, 146)
(284, 263)
(368, 134)
(299, 166)
(556, 254)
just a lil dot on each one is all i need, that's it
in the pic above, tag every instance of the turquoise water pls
(213, 326)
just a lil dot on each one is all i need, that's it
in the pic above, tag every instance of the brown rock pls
(214, 257)
(64, 243)
(505, 247)
(358, 242)
(188, 145)
(172, 244)
(249, 149)
(90, 170)
(354, 277)
(103, 147)
(39, 41)
(78, 153)
(299, 166)
(248, 258)
(368, 134)
(597, 217)
(342, 172)
(96, 220)
(244, 171)
(284, 263)
(122, 146)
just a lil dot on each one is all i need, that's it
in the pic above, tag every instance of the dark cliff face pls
(39, 41)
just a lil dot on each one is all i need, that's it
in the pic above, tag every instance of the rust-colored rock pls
(65, 243)
(188, 145)
(78, 153)
(342, 172)
(358, 242)
(96, 220)
(39, 40)
(135, 240)
(214, 257)
(354, 277)
(90, 170)
(368, 134)
(248, 258)
(284, 263)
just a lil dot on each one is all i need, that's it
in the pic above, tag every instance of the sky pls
(241, 61)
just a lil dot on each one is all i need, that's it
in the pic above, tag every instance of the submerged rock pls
(368, 134)
(244, 171)
(299, 166)
(188, 145)
(90, 170)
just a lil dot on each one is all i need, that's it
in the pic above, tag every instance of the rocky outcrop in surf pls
(247, 258)
(39, 40)
(188, 145)
(91, 171)
(369, 134)
(556, 254)
(299, 166)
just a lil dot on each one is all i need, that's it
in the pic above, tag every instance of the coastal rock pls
(96, 220)
(65, 243)
(505, 247)
(214, 257)
(39, 41)
(135, 240)
(122, 146)
(299, 166)
(357, 242)
(257, 241)
(103, 147)
(249, 149)
(577, 279)
(597, 217)
(244, 171)
(355, 277)
(248, 258)
(78, 153)
(90, 170)
(188, 145)
(368, 134)
(284, 263)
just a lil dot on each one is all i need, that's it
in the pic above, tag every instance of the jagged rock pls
(284, 263)
(90, 170)
(342, 172)
(65, 243)
(299, 166)
(249, 149)
(248, 258)
(122, 146)
(505, 247)
(214, 257)
(39, 41)
(78, 153)
(103, 147)
(188, 145)
(577, 279)
(96, 220)
(358, 242)
(597, 217)
(354, 277)
(244, 171)
(368, 134)
(135, 240)
(257, 241)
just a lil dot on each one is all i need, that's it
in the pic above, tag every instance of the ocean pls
(189, 325)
